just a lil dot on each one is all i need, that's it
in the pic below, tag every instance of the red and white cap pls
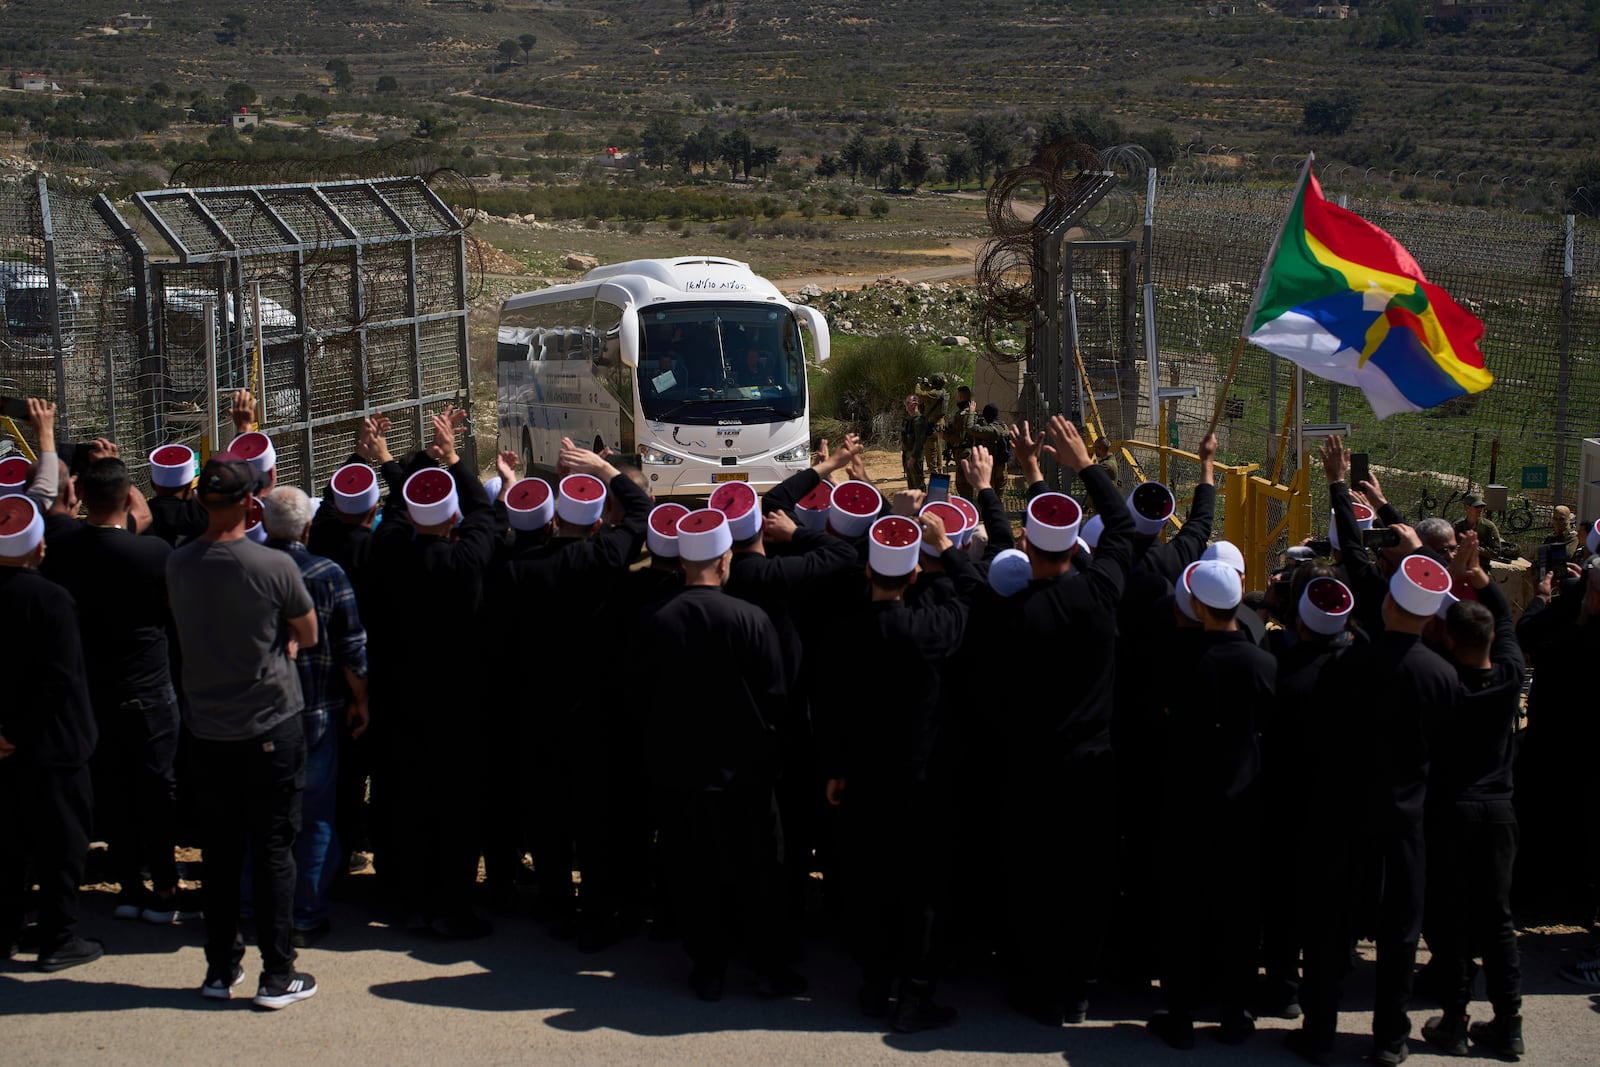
(430, 496)
(1364, 517)
(582, 499)
(969, 511)
(1010, 572)
(1151, 505)
(853, 507)
(1215, 584)
(1181, 594)
(811, 510)
(13, 475)
(355, 489)
(254, 528)
(172, 466)
(1325, 605)
(21, 526)
(892, 546)
(1091, 530)
(742, 506)
(1444, 604)
(661, 532)
(256, 449)
(1420, 584)
(1591, 539)
(703, 535)
(530, 505)
(1225, 552)
(954, 523)
(1053, 521)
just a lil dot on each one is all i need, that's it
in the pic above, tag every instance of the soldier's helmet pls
(937, 381)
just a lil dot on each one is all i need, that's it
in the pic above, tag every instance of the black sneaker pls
(1237, 1027)
(1176, 1029)
(1503, 1037)
(219, 984)
(280, 991)
(310, 935)
(1390, 1053)
(1447, 1034)
(73, 952)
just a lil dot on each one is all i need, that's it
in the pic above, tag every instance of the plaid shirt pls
(341, 640)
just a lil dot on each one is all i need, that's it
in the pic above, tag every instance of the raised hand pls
(243, 411)
(933, 533)
(977, 468)
(1335, 458)
(778, 528)
(505, 465)
(1067, 447)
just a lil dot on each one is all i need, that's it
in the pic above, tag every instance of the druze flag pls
(1346, 301)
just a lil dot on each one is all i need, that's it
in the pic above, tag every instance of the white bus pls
(694, 365)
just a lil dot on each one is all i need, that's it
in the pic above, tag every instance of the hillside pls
(1513, 97)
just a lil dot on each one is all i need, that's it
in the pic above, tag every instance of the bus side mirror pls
(817, 323)
(628, 332)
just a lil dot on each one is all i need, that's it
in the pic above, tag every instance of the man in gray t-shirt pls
(241, 609)
(232, 601)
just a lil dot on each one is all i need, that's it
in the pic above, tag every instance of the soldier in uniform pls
(933, 401)
(1564, 532)
(913, 432)
(1488, 533)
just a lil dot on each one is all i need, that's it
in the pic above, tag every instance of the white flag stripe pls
(1302, 340)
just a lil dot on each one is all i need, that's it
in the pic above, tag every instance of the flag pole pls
(1255, 301)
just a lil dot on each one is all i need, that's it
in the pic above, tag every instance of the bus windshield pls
(704, 363)
(28, 312)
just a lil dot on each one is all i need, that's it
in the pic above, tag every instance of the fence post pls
(1564, 366)
(53, 302)
(213, 441)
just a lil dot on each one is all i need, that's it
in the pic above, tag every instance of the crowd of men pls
(680, 716)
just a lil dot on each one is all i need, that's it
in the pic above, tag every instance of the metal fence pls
(332, 301)
(1534, 280)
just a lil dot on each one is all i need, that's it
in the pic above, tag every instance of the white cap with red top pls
(1182, 595)
(661, 532)
(969, 511)
(13, 475)
(1151, 505)
(1325, 605)
(1226, 552)
(853, 507)
(582, 499)
(954, 524)
(1420, 584)
(742, 506)
(1090, 533)
(355, 489)
(892, 546)
(172, 466)
(21, 526)
(703, 535)
(430, 496)
(1053, 521)
(254, 528)
(255, 448)
(530, 505)
(811, 510)
(1364, 518)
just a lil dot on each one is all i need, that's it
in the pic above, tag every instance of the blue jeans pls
(316, 850)
(316, 846)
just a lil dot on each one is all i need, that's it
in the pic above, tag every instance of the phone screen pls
(13, 408)
(938, 488)
(1359, 471)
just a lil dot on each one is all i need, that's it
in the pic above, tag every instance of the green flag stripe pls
(1297, 276)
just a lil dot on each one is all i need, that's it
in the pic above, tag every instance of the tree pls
(853, 155)
(340, 70)
(388, 84)
(1401, 26)
(987, 141)
(917, 163)
(233, 24)
(1096, 130)
(508, 50)
(879, 207)
(238, 95)
(660, 140)
(526, 41)
(872, 161)
(828, 167)
(735, 151)
(763, 156)
(1330, 115)
(701, 147)
(958, 165)
(1162, 144)
(1583, 187)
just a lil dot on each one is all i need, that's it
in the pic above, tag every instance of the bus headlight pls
(655, 455)
(794, 455)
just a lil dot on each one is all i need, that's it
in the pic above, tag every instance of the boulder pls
(953, 340)
(575, 261)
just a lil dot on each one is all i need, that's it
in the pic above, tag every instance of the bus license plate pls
(729, 477)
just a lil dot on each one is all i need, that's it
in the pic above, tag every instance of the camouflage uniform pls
(932, 401)
(913, 436)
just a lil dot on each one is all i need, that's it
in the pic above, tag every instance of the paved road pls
(392, 998)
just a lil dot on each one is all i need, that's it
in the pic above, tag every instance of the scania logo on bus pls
(729, 422)
(704, 284)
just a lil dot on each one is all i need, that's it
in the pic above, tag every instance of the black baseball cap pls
(226, 479)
